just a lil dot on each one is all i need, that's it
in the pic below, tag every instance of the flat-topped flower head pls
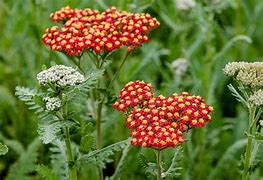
(249, 74)
(159, 122)
(257, 98)
(52, 103)
(133, 94)
(61, 76)
(89, 29)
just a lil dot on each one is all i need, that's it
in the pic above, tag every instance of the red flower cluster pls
(159, 122)
(100, 32)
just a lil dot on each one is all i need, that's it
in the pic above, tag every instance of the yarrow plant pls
(159, 122)
(59, 81)
(97, 34)
(249, 91)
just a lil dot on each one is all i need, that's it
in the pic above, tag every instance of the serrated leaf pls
(48, 132)
(3, 149)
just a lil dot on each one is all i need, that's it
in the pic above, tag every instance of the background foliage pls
(208, 36)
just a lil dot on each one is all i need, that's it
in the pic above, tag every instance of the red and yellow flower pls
(88, 29)
(159, 122)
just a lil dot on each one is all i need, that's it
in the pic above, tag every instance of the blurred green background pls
(206, 36)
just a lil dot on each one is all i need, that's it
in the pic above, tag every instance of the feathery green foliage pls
(25, 163)
(102, 156)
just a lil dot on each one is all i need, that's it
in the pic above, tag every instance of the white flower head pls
(185, 4)
(52, 103)
(180, 66)
(61, 76)
(261, 123)
(257, 98)
(250, 74)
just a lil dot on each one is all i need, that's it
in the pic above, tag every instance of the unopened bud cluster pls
(61, 76)
(88, 29)
(159, 122)
(249, 74)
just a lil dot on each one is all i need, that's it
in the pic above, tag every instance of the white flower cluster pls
(60, 75)
(247, 73)
(185, 4)
(261, 123)
(52, 103)
(257, 98)
(180, 66)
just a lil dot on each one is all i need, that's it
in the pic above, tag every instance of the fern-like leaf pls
(33, 100)
(102, 156)
(257, 154)
(91, 81)
(45, 172)
(149, 167)
(173, 169)
(25, 163)
(59, 159)
(48, 132)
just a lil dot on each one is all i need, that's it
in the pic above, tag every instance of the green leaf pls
(45, 172)
(49, 132)
(3, 149)
(174, 168)
(100, 157)
(237, 95)
(86, 143)
(257, 154)
(33, 100)
(59, 159)
(91, 81)
(25, 163)
(227, 156)
(149, 168)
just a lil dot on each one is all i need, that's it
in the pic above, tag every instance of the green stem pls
(101, 100)
(118, 70)
(159, 164)
(72, 168)
(70, 158)
(99, 63)
(249, 145)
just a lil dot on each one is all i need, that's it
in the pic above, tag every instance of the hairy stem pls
(159, 164)
(249, 144)
(70, 158)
